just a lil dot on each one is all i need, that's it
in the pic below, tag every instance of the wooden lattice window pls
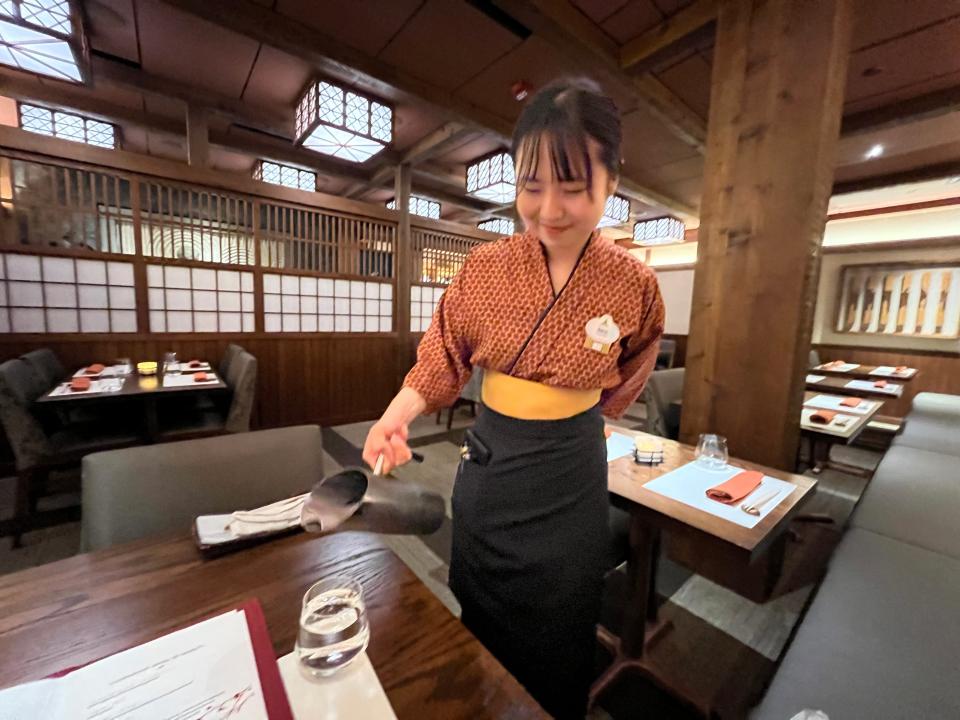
(37, 36)
(291, 177)
(67, 126)
(419, 206)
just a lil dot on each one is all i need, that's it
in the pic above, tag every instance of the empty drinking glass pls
(170, 364)
(124, 366)
(333, 626)
(712, 452)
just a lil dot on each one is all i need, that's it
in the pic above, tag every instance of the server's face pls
(562, 209)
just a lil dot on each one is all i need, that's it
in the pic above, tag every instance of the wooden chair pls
(470, 395)
(178, 422)
(666, 354)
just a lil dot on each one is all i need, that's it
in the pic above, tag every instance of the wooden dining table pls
(725, 543)
(822, 437)
(891, 391)
(143, 388)
(865, 372)
(74, 611)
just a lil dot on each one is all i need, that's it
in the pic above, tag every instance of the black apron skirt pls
(530, 548)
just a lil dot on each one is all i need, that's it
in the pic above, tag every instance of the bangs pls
(569, 157)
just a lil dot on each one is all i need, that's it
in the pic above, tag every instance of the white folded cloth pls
(275, 517)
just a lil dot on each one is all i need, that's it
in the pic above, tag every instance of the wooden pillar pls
(403, 270)
(198, 137)
(779, 72)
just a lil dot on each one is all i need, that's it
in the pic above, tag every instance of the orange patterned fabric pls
(494, 303)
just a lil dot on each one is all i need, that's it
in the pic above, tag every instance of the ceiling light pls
(501, 226)
(342, 123)
(492, 178)
(659, 231)
(616, 211)
(874, 152)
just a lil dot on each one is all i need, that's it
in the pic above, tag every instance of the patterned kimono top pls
(495, 301)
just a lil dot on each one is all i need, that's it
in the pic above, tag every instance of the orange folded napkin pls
(200, 377)
(736, 488)
(195, 363)
(94, 369)
(850, 402)
(880, 383)
(824, 417)
(78, 384)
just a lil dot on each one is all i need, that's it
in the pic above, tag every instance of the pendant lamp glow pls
(501, 226)
(342, 123)
(492, 178)
(659, 231)
(615, 212)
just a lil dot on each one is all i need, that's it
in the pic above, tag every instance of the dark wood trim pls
(669, 268)
(943, 202)
(674, 28)
(922, 107)
(892, 246)
(886, 349)
(930, 172)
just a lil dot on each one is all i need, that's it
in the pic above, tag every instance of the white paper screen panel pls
(676, 287)
(49, 294)
(423, 303)
(293, 303)
(189, 299)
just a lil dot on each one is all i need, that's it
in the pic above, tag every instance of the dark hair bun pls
(569, 111)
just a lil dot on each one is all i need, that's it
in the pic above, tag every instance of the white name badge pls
(602, 333)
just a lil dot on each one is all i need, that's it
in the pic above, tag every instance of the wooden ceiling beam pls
(647, 196)
(440, 141)
(904, 177)
(335, 59)
(563, 25)
(115, 74)
(436, 143)
(81, 99)
(672, 30)
(903, 112)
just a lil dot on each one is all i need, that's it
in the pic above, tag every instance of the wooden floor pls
(721, 643)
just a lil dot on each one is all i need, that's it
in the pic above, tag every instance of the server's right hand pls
(390, 440)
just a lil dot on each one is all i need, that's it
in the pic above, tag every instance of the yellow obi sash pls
(529, 400)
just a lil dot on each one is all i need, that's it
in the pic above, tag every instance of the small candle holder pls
(647, 451)
(647, 457)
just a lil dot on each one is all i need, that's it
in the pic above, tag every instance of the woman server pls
(565, 326)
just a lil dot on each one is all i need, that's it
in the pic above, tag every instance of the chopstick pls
(755, 507)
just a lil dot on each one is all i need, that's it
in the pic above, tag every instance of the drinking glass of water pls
(333, 626)
(712, 452)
